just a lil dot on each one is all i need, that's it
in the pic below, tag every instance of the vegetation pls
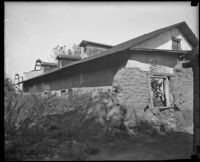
(52, 128)
(55, 128)
(62, 50)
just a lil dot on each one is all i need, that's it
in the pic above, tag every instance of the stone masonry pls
(134, 94)
(182, 90)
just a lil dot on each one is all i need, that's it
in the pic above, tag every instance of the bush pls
(49, 126)
(71, 150)
(90, 148)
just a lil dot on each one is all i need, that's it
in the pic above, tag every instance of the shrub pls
(46, 125)
(71, 150)
(90, 148)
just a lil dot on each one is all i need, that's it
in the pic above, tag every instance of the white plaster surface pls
(146, 67)
(164, 41)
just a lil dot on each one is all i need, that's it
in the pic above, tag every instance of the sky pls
(33, 29)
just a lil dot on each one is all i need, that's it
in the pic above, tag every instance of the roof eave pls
(85, 43)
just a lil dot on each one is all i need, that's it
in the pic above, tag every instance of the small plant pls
(56, 126)
(71, 150)
(91, 149)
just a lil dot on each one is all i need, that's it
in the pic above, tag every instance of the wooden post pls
(194, 64)
(196, 111)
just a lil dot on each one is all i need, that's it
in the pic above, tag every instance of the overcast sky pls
(33, 29)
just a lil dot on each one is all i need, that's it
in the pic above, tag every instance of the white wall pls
(164, 41)
(146, 67)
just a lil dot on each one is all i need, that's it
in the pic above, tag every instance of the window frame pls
(63, 93)
(166, 91)
(176, 44)
(45, 94)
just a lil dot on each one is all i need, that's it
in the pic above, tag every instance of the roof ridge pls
(170, 26)
(90, 42)
(139, 39)
(182, 26)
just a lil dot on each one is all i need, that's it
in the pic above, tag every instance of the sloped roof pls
(85, 43)
(182, 26)
(68, 57)
(48, 64)
(90, 58)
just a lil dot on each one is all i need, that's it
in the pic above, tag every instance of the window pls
(45, 95)
(176, 43)
(63, 93)
(160, 91)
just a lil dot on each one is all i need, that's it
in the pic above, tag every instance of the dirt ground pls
(172, 146)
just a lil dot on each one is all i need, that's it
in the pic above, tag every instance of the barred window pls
(160, 91)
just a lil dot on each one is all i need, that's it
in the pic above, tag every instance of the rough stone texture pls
(133, 92)
(128, 101)
(182, 90)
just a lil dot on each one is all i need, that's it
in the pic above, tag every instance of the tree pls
(76, 49)
(8, 85)
(59, 50)
(62, 50)
(69, 52)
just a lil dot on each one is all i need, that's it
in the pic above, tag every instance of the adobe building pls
(146, 72)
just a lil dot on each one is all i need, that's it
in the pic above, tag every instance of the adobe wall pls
(134, 94)
(182, 88)
(131, 91)
(133, 88)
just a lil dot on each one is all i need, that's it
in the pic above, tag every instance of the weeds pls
(46, 127)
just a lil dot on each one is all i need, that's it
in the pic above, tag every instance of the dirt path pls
(174, 146)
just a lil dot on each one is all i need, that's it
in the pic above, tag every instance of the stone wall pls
(128, 101)
(133, 92)
(182, 90)
(133, 88)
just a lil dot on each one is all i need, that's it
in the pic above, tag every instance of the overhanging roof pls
(85, 43)
(183, 27)
(93, 58)
(68, 57)
(48, 64)
(192, 54)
